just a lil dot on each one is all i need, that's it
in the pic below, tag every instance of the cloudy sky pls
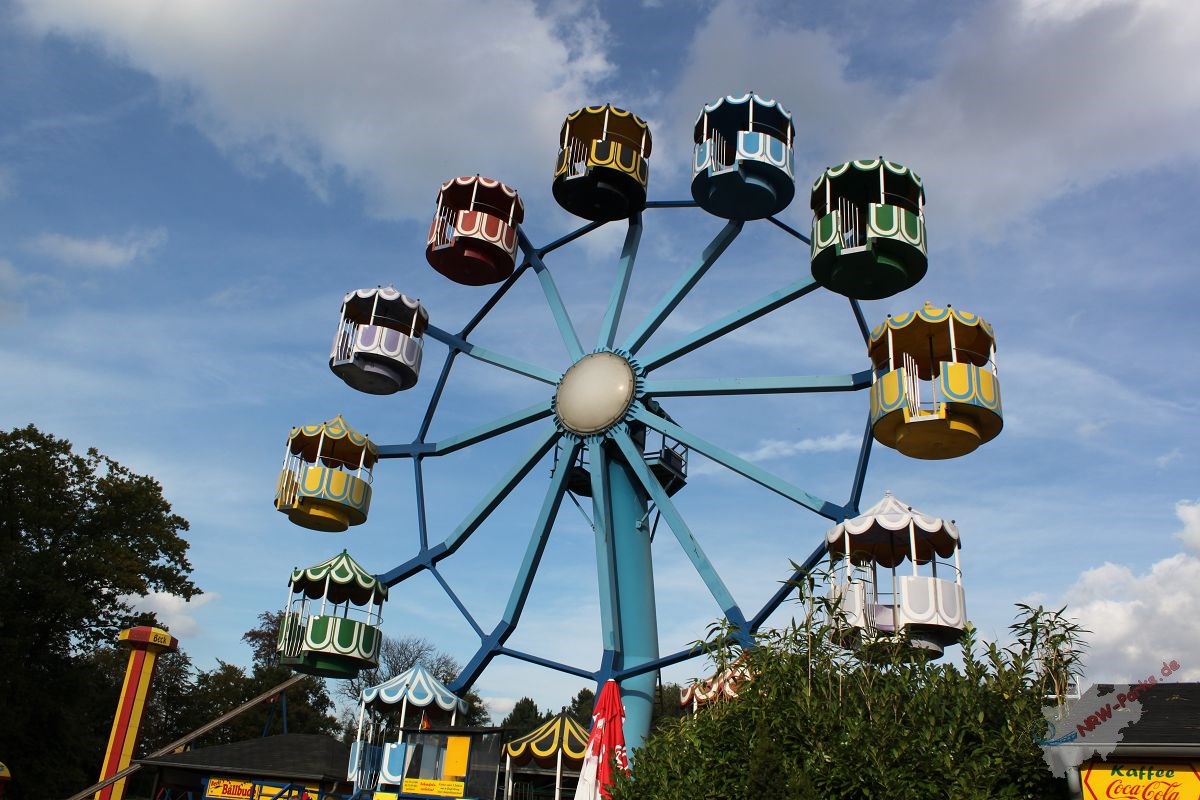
(188, 187)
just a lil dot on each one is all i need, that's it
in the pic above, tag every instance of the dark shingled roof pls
(295, 756)
(1170, 714)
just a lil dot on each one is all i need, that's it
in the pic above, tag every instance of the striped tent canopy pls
(416, 685)
(542, 746)
(339, 444)
(345, 579)
(724, 685)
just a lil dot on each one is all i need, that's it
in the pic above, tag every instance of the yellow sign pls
(434, 788)
(231, 788)
(1127, 780)
(455, 763)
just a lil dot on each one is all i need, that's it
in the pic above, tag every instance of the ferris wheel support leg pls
(630, 590)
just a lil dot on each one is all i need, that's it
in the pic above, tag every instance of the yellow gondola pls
(325, 483)
(935, 392)
(601, 172)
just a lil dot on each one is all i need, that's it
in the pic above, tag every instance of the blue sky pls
(187, 188)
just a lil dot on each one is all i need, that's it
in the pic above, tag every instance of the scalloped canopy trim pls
(759, 100)
(867, 165)
(336, 428)
(930, 314)
(616, 112)
(560, 733)
(890, 515)
(419, 686)
(340, 571)
(478, 184)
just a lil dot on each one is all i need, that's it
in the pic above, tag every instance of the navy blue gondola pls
(742, 164)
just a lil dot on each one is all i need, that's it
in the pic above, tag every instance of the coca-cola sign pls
(1141, 781)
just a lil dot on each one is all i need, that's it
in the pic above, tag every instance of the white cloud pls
(1189, 514)
(1138, 621)
(1168, 458)
(396, 97)
(1033, 100)
(175, 612)
(780, 448)
(103, 252)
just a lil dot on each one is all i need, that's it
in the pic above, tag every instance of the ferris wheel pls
(606, 417)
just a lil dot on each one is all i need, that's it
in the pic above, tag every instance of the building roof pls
(293, 756)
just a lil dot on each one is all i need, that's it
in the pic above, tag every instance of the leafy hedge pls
(817, 721)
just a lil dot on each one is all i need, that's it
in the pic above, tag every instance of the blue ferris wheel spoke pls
(789, 586)
(612, 315)
(553, 299)
(683, 533)
(793, 384)
(419, 488)
(492, 644)
(684, 285)
(570, 237)
(436, 397)
(493, 300)
(546, 662)
(740, 465)
(861, 320)
(488, 430)
(491, 357)
(430, 556)
(454, 598)
(730, 322)
(790, 230)
(606, 567)
(860, 470)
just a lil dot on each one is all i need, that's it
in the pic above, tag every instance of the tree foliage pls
(524, 717)
(81, 538)
(819, 722)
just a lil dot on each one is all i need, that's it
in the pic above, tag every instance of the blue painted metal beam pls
(493, 300)
(612, 315)
(675, 295)
(491, 357)
(672, 204)
(496, 427)
(462, 609)
(606, 567)
(863, 328)
(793, 384)
(790, 230)
(860, 471)
(539, 536)
(546, 662)
(570, 237)
(553, 298)
(788, 587)
(730, 322)
(740, 465)
(491, 645)
(438, 389)
(419, 487)
(683, 534)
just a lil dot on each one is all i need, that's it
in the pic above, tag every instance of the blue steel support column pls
(634, 612)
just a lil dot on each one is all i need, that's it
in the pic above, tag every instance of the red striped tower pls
(144, 643)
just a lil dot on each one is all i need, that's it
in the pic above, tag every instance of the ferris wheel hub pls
(594, 393)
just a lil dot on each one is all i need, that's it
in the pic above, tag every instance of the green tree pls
(81, 539)
(581, 707)
(524, 717)
(818, 721)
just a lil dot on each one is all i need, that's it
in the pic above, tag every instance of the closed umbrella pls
(606, 746)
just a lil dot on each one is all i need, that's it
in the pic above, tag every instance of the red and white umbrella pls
(606, 746)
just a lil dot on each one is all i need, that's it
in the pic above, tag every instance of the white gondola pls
(377, 347)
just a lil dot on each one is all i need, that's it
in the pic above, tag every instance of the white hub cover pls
(595, 393)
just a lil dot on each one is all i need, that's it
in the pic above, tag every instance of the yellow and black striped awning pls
(543, 744)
